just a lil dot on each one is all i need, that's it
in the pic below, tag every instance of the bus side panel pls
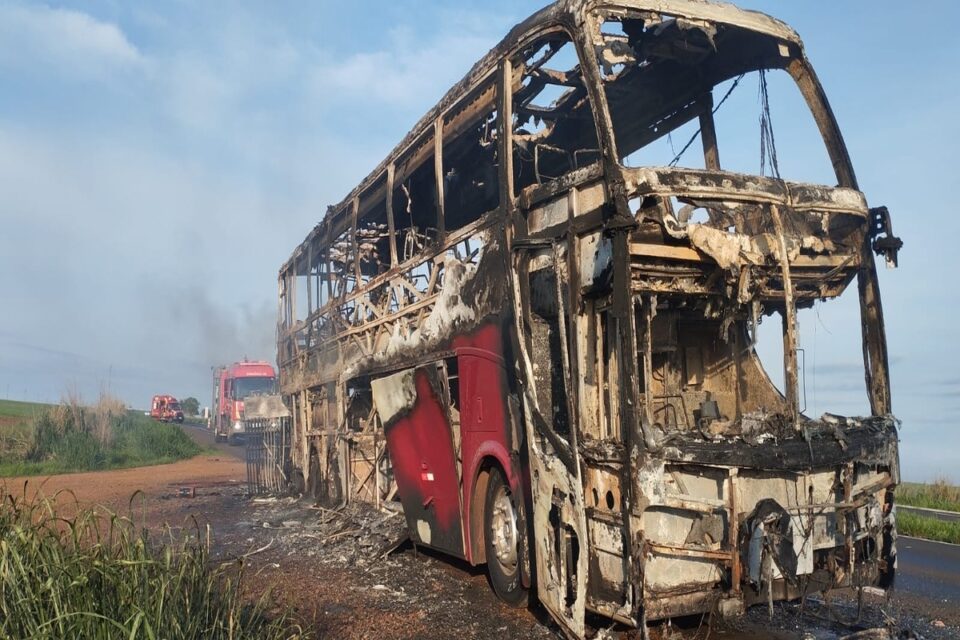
(421, 450)
(484, 416)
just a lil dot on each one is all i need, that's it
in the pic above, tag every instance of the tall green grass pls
(82, 573)
(73, 437)
(938, 495)
(16, 426)
(911, 524)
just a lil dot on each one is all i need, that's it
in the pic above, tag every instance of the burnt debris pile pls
(356, 535)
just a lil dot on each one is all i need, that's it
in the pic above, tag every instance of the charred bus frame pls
(549, 357)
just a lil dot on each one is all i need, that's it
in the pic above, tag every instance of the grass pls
(910, 524)
(17, 409)
(73, 437)
(16, 426)
(938, 495)
(96, 575)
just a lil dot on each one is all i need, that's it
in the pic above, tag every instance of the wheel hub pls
(503, 530)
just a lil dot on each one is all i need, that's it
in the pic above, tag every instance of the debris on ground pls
(352, 573)
(356, 535)
(840, 618)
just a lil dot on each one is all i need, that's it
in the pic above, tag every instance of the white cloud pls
(407, 71)
(234, 78)
(156, 220)
(199, 96)
(62, 37)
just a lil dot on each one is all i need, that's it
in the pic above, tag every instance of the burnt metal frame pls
(618, 223)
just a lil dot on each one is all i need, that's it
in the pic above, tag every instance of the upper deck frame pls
(567, 13)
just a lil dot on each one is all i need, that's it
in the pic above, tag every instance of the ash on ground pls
(352, 573)
(356, 535)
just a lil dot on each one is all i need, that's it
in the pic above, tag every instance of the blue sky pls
(159, 161)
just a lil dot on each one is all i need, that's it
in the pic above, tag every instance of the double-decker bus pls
(541, 337)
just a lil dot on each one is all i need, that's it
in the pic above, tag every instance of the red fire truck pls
(231, 384)
(166, 408)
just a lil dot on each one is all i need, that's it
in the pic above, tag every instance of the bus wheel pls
(502, 536)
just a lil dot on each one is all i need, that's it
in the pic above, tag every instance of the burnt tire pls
(502, 538)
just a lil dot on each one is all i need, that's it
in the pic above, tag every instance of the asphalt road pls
(937, 514)
(202, 436)
(928, 570)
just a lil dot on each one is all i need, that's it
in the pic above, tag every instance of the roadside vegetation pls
(88, 573)
(938, 495)
(16, 426)
(190, 406)
(48, 439)
(910, 524)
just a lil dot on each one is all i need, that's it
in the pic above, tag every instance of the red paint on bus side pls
(421, 449)
(484, 418)
(421, 443)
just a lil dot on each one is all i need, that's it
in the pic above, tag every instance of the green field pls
(16, 426)
(938, 495)
(910, 524)
(47, 439)
(16, 409)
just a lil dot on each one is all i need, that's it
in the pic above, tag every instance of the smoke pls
(210, 333)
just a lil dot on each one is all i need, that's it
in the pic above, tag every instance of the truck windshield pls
(678, 90)
(243, 387)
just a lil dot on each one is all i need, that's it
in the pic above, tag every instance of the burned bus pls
(542, 341)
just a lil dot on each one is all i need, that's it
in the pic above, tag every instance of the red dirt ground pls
(153, 486)
(400, 595)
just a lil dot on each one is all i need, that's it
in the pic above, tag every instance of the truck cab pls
(166, 408)
(232, 384)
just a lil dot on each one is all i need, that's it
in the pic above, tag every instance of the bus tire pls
(502, 531)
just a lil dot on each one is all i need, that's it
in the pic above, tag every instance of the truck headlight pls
(237, 426)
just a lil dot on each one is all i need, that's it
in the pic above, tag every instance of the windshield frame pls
(619, 178)
(794, 62)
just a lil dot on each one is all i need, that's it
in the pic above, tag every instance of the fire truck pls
(231, 385)
(166, 408)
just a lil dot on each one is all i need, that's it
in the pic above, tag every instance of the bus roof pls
(561, 12)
